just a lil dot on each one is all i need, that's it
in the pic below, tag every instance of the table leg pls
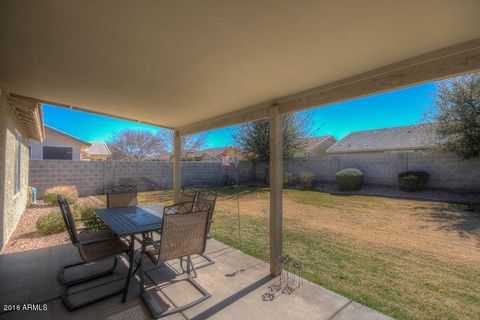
(130, 267)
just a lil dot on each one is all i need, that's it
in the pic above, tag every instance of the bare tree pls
(135, 145)
(190, 143)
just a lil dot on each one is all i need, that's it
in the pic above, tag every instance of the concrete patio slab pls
(237, 282)
(357, 311)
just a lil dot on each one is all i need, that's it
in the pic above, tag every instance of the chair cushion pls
(101, 250)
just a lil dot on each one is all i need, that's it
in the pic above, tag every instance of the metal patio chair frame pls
(119, 196)
(189, 195)
(205, 197)
(183, 235)
(85, 242)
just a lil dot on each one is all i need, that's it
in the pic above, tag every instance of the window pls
(29, 151)
(58, 153)
(18, 162)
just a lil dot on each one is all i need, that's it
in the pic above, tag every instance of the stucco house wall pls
(12, 204)
(54, 139)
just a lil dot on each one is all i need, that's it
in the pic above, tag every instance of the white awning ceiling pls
(179, 63)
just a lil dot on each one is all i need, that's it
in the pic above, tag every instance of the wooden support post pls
(177, 166)
(276, 187)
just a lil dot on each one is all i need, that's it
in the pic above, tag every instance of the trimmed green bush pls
(349, 179)
(50, 223)
(86, 211)
(307, 179)
(412, 181)
(69, 192)
(288, 179)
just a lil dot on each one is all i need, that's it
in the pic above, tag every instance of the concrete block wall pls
(145, 175)
(87, 176)
(447, 171)
(91, 177)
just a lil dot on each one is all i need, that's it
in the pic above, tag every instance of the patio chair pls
(209, 197)
(183, 235)
(120, 196)
(188, 195)
(92, 246)
(206, 198)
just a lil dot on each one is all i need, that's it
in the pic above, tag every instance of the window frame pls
(62, 147)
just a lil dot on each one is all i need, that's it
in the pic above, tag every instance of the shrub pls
(50, 223)
(288, 179)
(86, 211)
(349, 179)
(307, 179)
(228, 180)
(69, 192)
(412, 181)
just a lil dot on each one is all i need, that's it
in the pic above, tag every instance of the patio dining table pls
(129, 222)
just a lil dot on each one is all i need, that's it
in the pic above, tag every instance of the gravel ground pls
(25, 237)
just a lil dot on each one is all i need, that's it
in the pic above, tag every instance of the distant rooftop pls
(414, 137)
(67, 135)
(312, 142)
(98, 148)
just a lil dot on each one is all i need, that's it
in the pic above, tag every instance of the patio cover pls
(199, 65)
(194, 66)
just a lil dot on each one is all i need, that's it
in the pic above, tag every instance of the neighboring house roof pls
(195, 154)
(313, 142)
(215, 152)
(210, 152)
(98, 148)
(88, 144)
(413, 137)
(164, 156)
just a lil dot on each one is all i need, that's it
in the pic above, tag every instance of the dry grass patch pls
(409, 259)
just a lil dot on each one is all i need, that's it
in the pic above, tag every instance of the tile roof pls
(98, 148)
(396, 138)
(214, 151)
(312, 142)
(164, 156)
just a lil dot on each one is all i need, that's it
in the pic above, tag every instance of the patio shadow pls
(232, 299)
(463, 219)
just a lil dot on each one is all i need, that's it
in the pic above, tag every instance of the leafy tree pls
(455, 117)
(135, 145)
(252, 138)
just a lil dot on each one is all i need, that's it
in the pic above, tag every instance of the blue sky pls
(396, 108)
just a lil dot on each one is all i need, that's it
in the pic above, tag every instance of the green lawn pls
(408, 259)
